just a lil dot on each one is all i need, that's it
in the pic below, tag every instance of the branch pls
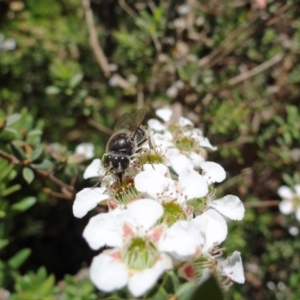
(100, 56)
(262, 204)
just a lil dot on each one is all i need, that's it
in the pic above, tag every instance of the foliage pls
(234, 67)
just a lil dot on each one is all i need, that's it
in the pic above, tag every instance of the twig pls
(100, 127)
(127, 8)
(41, 173)
(260, 68)
(262, 204)
(101, 58)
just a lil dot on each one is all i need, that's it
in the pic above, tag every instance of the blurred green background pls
(69, 68)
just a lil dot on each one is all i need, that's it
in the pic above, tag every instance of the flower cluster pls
(162, 215)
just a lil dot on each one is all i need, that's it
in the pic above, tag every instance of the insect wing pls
(131, 122)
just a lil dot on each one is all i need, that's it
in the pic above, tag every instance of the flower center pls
(125, 193)
(185, 144)
(172, 212)
(141, 253)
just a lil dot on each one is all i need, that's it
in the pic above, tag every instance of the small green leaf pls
(46, 164)
(12, 119)
(35, 132)
(2, 214)
(10, 190)
(17, 151)
(75, 80)
(52, 90)
(210, 289)
(28, 175)
(24, 204)
(36, 154)
(3, 243)
(18, 259)
(8, 134)
(186, 291)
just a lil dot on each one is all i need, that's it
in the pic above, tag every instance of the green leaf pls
(3, 243)
(46, 164)
(17, 151)
(36, 154)
(35, 132)
(8, 134)
(2, 214)
(18, 259)
(12, 119)
(186, 291)
(210, 289)
(75, 80)
(52, 90)
(28, 175)
(24, 204)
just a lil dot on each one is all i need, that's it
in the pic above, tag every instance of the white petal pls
(144, 213)
(213, 171)
(88, 199)
(107, 273)
(286, 207)
(164, 113)
(161, 168)
(182, 240)
(156, 125)
(205, 143)
(230, 206)
(233, 267)
(179, 162)
(297, 214)
(297, 189)
(143, 281)
(192, 185)
(214, 227)
(86, 149)
(151, 183)
(285, 192)
(196, 159)
(185, 122)
(94, 169)
(104, 229)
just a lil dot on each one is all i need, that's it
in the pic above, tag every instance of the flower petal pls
(161, 168)
(297, 189)
(196, 159)
(105, 230)
(164, 113)
(192, 185)
(285, 192)
(87, 199)
(179, 162)
(143, 281)
(213, 226)
(230, 206)
(94, 169)
(144, 213)
(107, 273)
(155, 125)
(86, 149)
(182, 240)
(213, 171)
(286, 207)
(297, 214)
(233, 267)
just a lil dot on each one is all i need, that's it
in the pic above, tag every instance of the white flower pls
(85, 149)
(291, 200)
(94, 169)
(166, 114)
(213, 172)
(108, 272)
(87, 199)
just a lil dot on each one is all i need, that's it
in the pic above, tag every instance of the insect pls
(125, 142)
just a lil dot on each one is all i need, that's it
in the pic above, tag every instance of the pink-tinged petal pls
(143, 281)
(233, 267)
(213, 172)
(107, 273)
(285, 192)
(286, 207)
(144, 213)
(229, 206)
(151, 183)
(157, 232)
(104, 230)
(297, 214)
(297, 189)
(94, 169)
(192, 185)
(155, 125)
(87, 199)
(182, 240)
(164, 113)
(213, 226)
(179, 162)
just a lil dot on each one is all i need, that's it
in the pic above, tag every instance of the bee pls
(125, 142)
